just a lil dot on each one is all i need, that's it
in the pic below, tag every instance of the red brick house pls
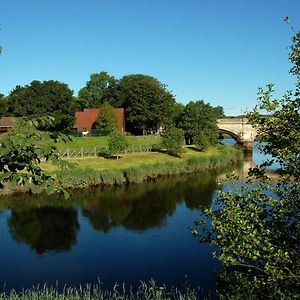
(6, 123)
(84, 120)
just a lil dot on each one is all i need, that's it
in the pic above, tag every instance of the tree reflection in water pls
(45, 229)
(145, 206)
(51, 223)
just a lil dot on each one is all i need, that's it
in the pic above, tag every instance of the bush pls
(117, 143)
(172, 141)
(201, 141)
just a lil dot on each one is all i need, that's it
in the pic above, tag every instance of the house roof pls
(84, 120)
(6, 122)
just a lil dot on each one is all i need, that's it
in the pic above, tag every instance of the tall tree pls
(99, 89)
(147, 102)
(38, 99)
(199, 117)
(219, 112)
(107, 118)
(256, 229)
(3, 105)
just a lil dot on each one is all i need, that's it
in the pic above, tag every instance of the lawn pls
(130, 160)
(92, 141)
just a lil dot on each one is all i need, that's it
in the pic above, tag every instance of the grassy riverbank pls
(135, 168)
(141, 167)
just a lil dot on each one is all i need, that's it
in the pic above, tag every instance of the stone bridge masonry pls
(240, 130)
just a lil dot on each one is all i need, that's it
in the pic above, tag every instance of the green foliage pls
(112, 177)
(99, 89)
(47, 98)
(21, 152)
(219, 112)
(172, 141)
(107, 118)
(3, 105)
(199, 117)
(280, 129)
(257, 234)
(78, 178)
(117, 143)
(257, 228)
(201, 141)
(147, 103)
(178, 110)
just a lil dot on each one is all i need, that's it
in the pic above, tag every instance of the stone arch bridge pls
(240, 130)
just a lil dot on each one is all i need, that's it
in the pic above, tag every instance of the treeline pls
(148, 104)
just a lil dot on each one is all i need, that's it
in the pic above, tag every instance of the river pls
(125, 235)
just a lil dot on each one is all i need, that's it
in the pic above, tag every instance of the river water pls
(119, 235)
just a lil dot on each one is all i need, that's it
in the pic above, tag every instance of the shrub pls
(201, 141)
(117, 143)
(172, 141)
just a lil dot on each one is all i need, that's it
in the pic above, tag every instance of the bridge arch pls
(239, 129)
(232, 134)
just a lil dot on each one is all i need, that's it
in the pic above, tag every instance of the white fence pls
(93, 152)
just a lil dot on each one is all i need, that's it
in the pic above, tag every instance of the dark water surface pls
(119, 235)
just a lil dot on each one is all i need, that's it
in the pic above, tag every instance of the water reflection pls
(51, 223)
(44, 229)
(146, 206)
(127, 234)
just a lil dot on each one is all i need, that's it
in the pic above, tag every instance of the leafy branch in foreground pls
(22, 150)
(256, 228)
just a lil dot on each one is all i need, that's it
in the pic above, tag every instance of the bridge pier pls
(247, 146)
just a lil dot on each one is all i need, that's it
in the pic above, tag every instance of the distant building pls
(6, 123)
(84, 120)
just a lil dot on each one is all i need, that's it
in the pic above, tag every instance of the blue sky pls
(216, 50)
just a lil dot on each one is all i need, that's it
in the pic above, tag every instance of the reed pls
(78, 177)
(146, 291)
(112, 177)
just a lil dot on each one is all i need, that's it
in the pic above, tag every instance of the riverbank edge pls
(88, 177)
(80, 178)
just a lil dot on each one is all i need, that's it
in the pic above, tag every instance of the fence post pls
(81, 152)
(68, 152)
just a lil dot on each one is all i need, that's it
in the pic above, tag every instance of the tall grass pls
(146, 291)
(78, 177)
(112, 177)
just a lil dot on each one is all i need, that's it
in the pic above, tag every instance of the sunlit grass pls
(91, 142)
(131, 160)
